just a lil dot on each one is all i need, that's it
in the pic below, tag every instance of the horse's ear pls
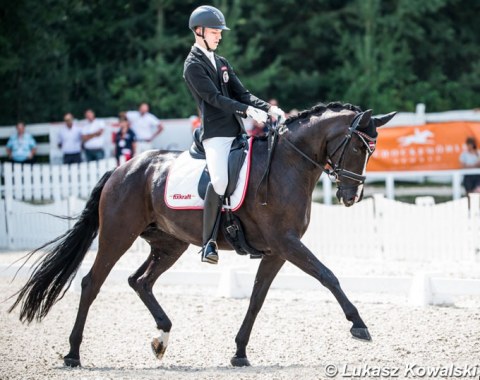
(365, 117)
(378, 121)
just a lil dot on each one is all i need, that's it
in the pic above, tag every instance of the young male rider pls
(222, 101)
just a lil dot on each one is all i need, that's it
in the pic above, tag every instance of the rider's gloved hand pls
(257, 114)
(277, 113)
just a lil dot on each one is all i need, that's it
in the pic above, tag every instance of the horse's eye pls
(356, 150)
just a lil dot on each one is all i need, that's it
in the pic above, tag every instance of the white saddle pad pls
(181, 189)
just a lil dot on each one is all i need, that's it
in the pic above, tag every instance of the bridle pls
(336, 172)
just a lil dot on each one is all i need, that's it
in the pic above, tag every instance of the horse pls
(129, 202)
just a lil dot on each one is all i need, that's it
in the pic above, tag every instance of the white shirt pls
(70, 139)
(469, 159)
(144, 125)
(92, 127)
(209, 54)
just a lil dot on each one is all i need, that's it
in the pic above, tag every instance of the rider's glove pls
(277, 113)
(257, 114)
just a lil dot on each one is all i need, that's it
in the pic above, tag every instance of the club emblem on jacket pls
(225, 74)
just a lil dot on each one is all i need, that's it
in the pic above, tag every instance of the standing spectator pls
(145, 125)
(70, 141)
(92, 137)
(125, 141)
(470, 158)
(258, 129)
(21, 146)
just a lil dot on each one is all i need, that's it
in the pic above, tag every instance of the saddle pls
(232, 226)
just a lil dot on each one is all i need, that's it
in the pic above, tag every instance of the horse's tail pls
(58, 266)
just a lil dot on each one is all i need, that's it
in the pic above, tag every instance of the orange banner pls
(423, 147)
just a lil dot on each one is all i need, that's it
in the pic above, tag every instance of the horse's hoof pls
(71, 362)
(361, 333)
(240, 362)
(159, 345)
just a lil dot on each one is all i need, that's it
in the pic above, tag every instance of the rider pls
(222, 100)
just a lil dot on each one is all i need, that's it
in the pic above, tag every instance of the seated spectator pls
(125, 141)
(92, 138)
(470, 158)
(145, 125)
(70, 141)
(21, 146)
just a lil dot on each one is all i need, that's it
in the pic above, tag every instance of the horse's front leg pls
(294, 251)
(267, 270)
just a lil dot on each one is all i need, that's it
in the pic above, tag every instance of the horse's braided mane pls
(320, 108)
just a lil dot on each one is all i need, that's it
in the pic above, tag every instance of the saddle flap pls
(236, 158)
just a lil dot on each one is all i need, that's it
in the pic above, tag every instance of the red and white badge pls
(225, 74)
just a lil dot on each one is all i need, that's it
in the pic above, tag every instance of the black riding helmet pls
(207, 16)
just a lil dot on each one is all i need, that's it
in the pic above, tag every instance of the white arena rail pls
(375, 232)
(452, 177)
(374, 229)
(44, 182)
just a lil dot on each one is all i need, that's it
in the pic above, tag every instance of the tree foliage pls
(110, 55)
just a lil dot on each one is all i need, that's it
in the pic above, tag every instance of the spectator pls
(196, 121)
(258, 129)
(470, 158)
(92, 137)
(293, 112)
(145, 125)
(70, 141)
(125, 141)
(21, 146)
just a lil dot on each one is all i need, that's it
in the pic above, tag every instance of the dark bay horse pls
(129, 202)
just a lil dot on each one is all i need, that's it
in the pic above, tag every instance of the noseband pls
(336, 172)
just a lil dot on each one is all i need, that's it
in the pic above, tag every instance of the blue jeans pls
(94, 154)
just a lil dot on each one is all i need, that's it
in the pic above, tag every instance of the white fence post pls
(327, 189)
(8, 216)
(474, 214)
(457, 185)
(390, 186)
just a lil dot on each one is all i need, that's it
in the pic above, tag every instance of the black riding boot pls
(211, 221)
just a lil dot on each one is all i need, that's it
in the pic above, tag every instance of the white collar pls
(209, 54)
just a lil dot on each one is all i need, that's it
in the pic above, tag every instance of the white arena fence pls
(376, 230)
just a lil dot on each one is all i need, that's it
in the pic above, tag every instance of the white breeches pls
(216, 152)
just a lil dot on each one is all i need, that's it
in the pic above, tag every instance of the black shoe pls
(210, 253)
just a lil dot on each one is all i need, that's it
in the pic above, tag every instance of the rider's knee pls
(220, 185)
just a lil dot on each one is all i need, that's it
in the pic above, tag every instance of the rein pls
(336, 172)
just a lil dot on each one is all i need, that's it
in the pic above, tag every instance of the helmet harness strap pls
(203, 37)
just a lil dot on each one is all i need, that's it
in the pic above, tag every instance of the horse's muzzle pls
(348, 197)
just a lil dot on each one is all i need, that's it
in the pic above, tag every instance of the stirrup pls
(210, 252)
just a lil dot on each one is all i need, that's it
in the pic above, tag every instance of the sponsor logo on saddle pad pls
(182, 196)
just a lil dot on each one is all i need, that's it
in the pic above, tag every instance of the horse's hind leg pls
(267, 270)
(109, 251)
(165, 251)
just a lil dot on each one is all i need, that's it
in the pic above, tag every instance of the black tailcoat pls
(219, 94)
